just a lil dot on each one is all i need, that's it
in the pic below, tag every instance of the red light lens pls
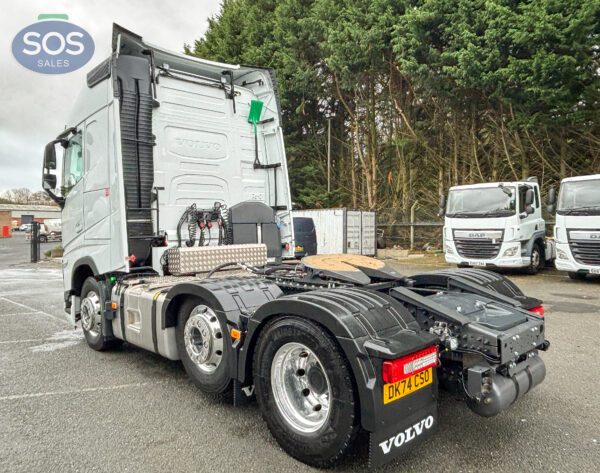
(396, 370)
(539, 310)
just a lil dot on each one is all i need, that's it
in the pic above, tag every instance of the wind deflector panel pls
(137, 141)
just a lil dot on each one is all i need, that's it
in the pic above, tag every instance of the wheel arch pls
(355, 319)
(82, 269)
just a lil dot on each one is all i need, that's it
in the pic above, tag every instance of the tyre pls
(202, 348)
(577, 276)
(92, 319)
(304, 389)
(536, 260)
(381, 243)
(43, 239)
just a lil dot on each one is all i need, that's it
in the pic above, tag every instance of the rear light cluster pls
(396, 370)
(539, 310)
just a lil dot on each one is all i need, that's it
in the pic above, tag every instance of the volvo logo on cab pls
(53, 46)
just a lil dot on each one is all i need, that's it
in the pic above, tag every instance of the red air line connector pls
(400, 368)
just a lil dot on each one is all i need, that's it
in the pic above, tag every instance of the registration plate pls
(299, 248)
(404, 387)
(477, 263)
(595, 271)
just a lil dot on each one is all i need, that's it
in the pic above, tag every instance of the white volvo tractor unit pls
(577, 229)
(496, 225)
(176, 216)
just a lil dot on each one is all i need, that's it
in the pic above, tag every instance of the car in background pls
(305, 236)
(26, 227)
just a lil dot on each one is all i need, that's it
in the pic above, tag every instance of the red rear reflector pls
(539, 310)
(395, 370)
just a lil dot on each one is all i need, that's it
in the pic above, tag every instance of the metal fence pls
(420, 235)
(413, 235)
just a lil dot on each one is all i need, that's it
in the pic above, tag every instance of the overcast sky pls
(34, 106)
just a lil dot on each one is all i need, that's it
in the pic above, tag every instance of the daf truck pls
(176, 218)
(496, 225)
(577, 228)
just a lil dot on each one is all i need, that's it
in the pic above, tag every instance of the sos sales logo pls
(53, 45)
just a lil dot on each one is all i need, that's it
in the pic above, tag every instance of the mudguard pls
(233, 300)
(478, 281)
(370, 327)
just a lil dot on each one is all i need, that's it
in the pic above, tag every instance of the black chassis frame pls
(381, 321)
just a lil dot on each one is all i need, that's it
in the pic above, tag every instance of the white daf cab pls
(496, 225)
(577, 229)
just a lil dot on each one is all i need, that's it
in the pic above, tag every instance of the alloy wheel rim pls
(203, 339)
(301, 388)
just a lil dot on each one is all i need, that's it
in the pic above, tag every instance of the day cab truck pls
(496, 225)
(577, 228)
(176, 218)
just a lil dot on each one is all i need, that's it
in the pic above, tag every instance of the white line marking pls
(31, 340)
(79, 391)
(34, 309)
(18, 313)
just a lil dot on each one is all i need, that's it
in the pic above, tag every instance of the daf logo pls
(595, 236)
(476, 235)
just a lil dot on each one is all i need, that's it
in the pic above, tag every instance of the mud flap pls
(394, 439)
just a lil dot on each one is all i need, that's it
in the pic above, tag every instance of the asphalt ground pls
(65, 407)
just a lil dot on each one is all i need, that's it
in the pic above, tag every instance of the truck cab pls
(577, 229)
(495, 224)
(161, 150)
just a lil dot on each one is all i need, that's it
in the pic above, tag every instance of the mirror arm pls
(59, 200)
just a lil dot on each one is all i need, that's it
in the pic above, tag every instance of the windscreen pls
(581, 197)
(481, 201)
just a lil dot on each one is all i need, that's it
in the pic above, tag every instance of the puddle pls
(572, 307)
(574, 296)
(60, 340)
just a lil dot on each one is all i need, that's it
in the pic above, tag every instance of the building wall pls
(5, 221)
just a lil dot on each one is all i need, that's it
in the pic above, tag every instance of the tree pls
(422, 94)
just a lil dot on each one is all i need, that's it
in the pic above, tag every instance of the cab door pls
(533, 223)
(72, 191)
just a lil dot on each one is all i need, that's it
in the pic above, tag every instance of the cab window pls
(73, 163)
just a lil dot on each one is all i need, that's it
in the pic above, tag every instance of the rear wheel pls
(202, 347)
(577, 276)
(304, 388)
(92, 317)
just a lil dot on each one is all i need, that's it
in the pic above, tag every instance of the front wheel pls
(92, 318)
(536, 261)
(305, 391)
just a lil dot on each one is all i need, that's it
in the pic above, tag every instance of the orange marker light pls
(113, 306)
(235, 334)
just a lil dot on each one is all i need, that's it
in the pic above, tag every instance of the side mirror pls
(551, 200)
(529, 210)
(529, 197)
(49, 182)
(442, 205)
(50, 156)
